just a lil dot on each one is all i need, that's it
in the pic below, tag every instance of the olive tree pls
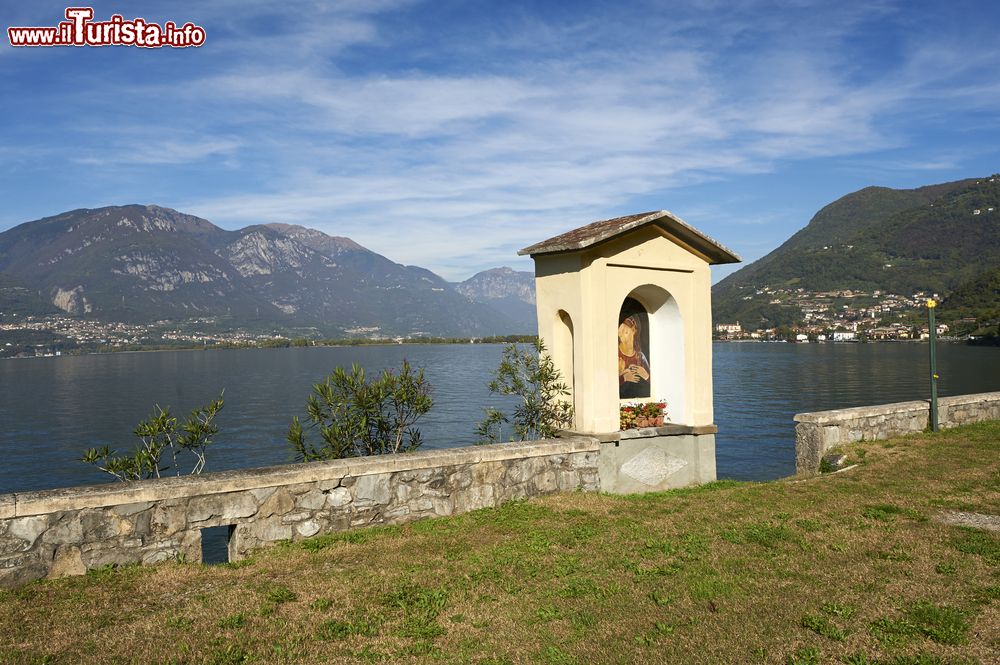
(357, 416)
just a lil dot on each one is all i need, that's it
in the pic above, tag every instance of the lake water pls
(51, 409)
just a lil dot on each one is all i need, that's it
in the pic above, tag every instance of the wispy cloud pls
(450, 138)
(164, 151)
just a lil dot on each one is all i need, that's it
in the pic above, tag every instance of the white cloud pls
(158, 151)
(464, 145)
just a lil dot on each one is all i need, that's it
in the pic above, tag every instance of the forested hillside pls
(933, 239)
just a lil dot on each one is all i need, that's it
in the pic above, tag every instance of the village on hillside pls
(839, 316)
(45, 336)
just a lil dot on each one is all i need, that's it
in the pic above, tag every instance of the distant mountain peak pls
(505, 289)
(321, 242)
(504, 270)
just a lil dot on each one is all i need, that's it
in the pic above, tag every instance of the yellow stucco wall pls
(590, 286)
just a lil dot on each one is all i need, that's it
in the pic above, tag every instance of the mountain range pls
(942, 238)
(145, 263)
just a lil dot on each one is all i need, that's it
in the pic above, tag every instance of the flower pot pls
(658, 421)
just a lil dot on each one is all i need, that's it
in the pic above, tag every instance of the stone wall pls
(69, 531)
(818, 432)
(964, 409)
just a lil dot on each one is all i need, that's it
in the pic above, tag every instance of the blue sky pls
(450, 134)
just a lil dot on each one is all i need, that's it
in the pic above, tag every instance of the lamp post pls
(932, 334)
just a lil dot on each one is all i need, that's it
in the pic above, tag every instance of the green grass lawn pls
(845, 568)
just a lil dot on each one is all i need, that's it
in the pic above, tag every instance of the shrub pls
(356, 416)
(158, 434)
(531, 376)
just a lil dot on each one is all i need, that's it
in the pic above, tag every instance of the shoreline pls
(501, 339)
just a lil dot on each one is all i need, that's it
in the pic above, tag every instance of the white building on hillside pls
(729, 328)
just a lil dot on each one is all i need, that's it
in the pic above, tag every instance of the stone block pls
(491, 473)
(131, 508)
(27, 529)
(513, 493)
(339, 497)
(100, 555)
(437, 486)
(661, 462)
(460, 479)
(808, 447)
(419, 476)
(421, 505)
(442, 491)
(443, 507)
(15, 559)
(591, 480)
(6, 506)
(308, 528)
(338, 522)
(653, 467)
(24, 572)
(567, 480)
(141, 524)
(67, 561)
(545, 482)
(479, 496)
(242, 541)
(262, 494)
(405, 492)
(189, 545)
(375, 489)
(705, 455)
(159, 555)
(367, 517)
(279, 503)
(69, 531)
(312, 500)
(169, 519)
(327, 485)
(221, 508)
(292, 518)
(397, 514)
(267, 531)
(10, 545)
(102, 524)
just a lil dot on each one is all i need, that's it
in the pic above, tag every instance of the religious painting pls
(633, 350)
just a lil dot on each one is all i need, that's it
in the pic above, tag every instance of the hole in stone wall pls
(215, 544)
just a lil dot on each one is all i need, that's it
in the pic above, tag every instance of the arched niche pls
(563, 352)
(650, 315)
